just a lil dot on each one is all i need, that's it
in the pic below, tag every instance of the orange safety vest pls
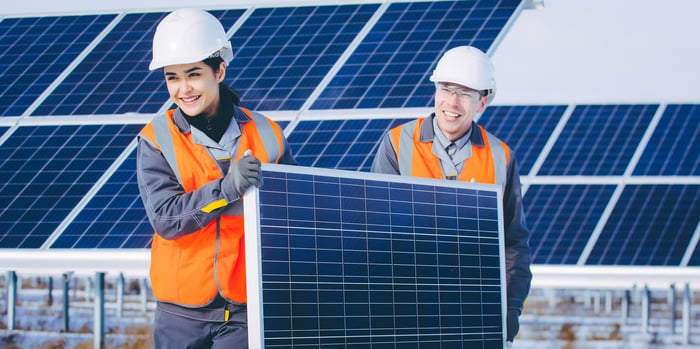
(486, 165)
(191, 269)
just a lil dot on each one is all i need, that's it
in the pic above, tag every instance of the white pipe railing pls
(135, 263)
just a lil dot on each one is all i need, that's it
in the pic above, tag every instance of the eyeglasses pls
(465, 95)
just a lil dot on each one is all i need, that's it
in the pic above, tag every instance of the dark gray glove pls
(512, 324)
(245, 173)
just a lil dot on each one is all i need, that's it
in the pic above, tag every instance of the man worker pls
(448, 144)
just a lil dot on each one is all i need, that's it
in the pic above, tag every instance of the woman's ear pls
(221, 73)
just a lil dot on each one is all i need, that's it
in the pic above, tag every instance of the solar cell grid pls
(339, 144)
(36, 50)
(562, 219)
(598, 140)
(673, 149)
(353, 259)
(114, 78)
(282, 54)
(46, 170)
(114, 217)
(650, 225)
(525, 129)
(390, 68)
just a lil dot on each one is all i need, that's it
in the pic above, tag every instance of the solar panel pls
(673, 149)
(283, 53)
(562, 219)
(598, 140)
(339, 144)
(340, 258)
(113, 218)
(390, 68)
(114, 78)
(525, 129)
(36, 50)
(650, 225)
(46, 170)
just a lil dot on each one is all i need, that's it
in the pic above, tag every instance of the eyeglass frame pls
(464, 94)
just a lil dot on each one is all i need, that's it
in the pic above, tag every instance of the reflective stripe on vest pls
(407, 137)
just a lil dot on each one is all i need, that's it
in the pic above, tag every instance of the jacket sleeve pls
(386, 160)
(516, 238)
(171, 211)
(287, 158)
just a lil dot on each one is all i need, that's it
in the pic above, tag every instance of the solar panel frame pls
(255, 211)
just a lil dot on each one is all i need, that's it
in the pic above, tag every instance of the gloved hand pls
(245, 173)
(512, 324)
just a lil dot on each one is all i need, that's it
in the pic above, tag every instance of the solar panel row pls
(596, 140)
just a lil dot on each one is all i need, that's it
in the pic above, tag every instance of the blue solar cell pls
(339, 144)
(96, 87)
(673, 149)
(282, 54)
(695, 257)
(390, 68)
(598, 140)
(525, 129)
(340, 267)
(42, 182)
(562, 219)
(36, 51)
(114, 217)
(650, 225)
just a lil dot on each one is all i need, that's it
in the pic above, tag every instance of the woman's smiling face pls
(194, 87)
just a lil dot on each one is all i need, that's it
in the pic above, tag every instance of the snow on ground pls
(577, 321)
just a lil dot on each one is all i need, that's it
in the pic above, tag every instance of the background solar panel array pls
(601, 159)
(372, 262)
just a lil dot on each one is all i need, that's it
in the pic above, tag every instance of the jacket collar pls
(427, 132)
(184, 127)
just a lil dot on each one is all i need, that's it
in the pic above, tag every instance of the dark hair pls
(214, 63)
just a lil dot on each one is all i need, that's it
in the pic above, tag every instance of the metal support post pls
(11, 299)
(50, 300)
(608, 301)
(88, 289)
(66, 301)
(686, 314)
(99, 328)
(646, 309)
(144, 295)
(596, 302)
(120, 296)
(625, 306)
(672, 302)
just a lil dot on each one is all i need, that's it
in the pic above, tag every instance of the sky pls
(568, 52)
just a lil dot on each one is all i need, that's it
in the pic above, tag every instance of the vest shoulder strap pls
(268, 134)
(161, 129)
(500, 157)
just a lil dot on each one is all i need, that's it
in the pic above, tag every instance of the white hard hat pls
(187, 36)
(467, 66)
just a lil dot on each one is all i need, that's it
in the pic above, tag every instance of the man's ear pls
(483, 104)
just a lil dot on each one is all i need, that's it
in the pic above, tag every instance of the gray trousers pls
(174, 331)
